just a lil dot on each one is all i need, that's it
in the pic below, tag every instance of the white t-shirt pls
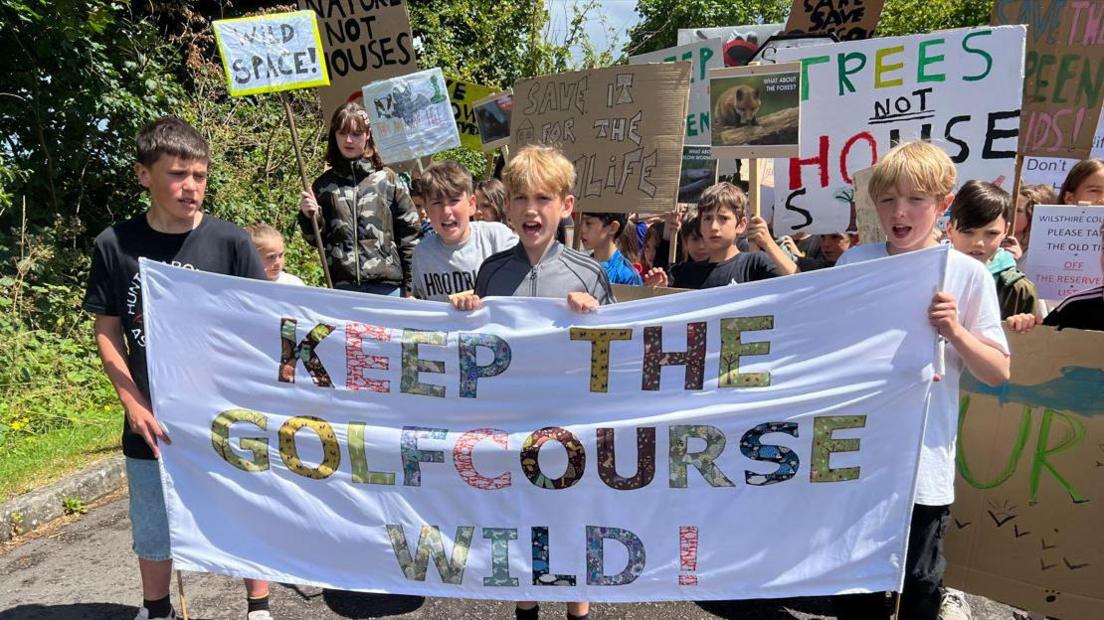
(973, 288)
(440, 270)
(287, 278)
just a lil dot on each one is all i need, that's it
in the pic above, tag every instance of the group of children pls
(499, 238)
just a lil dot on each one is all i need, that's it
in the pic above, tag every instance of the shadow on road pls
(364, 605)
(100, 611)
(769, 609)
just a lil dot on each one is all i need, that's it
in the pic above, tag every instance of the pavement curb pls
(28, 512)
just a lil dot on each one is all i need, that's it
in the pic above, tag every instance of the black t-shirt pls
(691, 274)
(114, 288)
(1083, 310)
(744, 267)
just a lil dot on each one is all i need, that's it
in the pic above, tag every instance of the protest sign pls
(411, 116)
(768, 52)
(1062, 78)
(363, 42)
(621, 126)
(324, 438)
(1064, 256)
(1025, 525)
(702, 56)
(699, 171)
(867, 224)
(1053, 170)
(271, 53)
(463, 96)
(958, 88)
(492, 118)
(848, 20)
(739, 43)
(756, 110)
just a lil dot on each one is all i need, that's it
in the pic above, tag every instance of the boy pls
(980, 218)
(538, 183)
(599, 233)
(447, 262)
(417, 196)
(172, 165)
(911, 188)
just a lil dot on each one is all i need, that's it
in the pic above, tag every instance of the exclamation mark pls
(688, 555)
(313, 58)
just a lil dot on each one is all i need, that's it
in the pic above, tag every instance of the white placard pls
(271, 53)
(1064, 256)
(411, 116)
(703, 56)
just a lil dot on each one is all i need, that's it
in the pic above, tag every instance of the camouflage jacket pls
(368, 223)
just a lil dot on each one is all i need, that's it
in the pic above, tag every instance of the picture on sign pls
(739, 42)
(1065, 254)
(756, 110)
(492, 117)
(411, 116)
(271, 53)
(699, 171)
(848, 20)
(463, 96)
(621, 126)
(702, 56)
(363, 42)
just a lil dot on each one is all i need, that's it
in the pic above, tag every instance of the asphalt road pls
(83, 568)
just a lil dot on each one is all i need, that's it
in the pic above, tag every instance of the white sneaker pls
(259, 615)
(143, 614)
(954, 606)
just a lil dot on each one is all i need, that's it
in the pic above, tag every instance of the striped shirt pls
(1082, 310)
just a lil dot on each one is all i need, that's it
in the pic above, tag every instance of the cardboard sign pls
(364, 42)
(848, 20)
(411, 116)
(1065, 57)
(271, 53)
(1029, 498)
(626, 292)
(492, 118)
(958, 88)
(867, 224)
(739, 42)
(621, 126)
(756, 110)
(463, 96)
(703, 56)
(1053, 170)
(1065, 250)
(699, 171)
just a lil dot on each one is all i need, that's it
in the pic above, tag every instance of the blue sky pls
(620, 14)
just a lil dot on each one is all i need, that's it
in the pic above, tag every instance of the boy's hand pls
(582, 302)
(655, 276)
(758, 233)
(308, 205)
(943, 315)
(1022, 323)
(466, 301)
(791, 246)
(1013, 246)
(142, 422)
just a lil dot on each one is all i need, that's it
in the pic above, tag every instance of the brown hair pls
(495, 192)
(171, 136)
(350, 117)
(261, 231)
(537, 168)
(1077, 175)
(1042, 194)
(445, 179)
(925, 167)
(723, 195)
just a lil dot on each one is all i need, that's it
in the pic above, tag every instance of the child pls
(978, 225)
(270, 245)
(490, 198)
(1030, 195)
(446, 262)
(911, 188)
(829, 248)
(1084, 183)
(694, 267)
(172, 165)
(723, 219)
(600, 234)
(538, 181)
(417, 196)
(1083, 310)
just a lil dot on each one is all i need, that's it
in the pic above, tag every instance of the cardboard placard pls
(739, 42)
(848, 20)
(1053, 170)
(411, 116)
(1065, 250)
(756, 110)
(960, 89)
(702, 56)
(1065, 55)
(867, 224)
(271, 53)
(626, 292)
(492, 118)
(363, 42)
(622, 127)
(1029, 497)
(463, 96)
(699, 171)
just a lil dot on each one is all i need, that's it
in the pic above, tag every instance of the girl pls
(490, 201)
(368, 223)
(1030, 195)
(270, 245)
(1084, 183)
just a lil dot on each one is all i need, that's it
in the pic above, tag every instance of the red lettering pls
(820, 160)
(865, 135)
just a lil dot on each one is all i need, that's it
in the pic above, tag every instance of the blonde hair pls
(924, 167)
(536, 168)
(260, 231)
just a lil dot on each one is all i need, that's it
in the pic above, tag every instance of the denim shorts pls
(149, 523)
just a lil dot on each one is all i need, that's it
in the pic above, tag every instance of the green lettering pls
(980, 52)
(805, 64)
(925, 60)
(845, 84)
(1013, 459)
(1072, 437)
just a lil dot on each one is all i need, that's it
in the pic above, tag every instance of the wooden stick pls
(753, 193)
(1016, 185)
(897, 606)
(306, 188)
(183, 599)
(576, 238)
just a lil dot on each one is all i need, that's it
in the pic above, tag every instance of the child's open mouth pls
(900, 232)
(531, 228)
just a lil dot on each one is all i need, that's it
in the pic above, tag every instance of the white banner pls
(270, 53)
(703, 56)
(959, 88)
(411, 116)
(687, 447)
(1064, 256)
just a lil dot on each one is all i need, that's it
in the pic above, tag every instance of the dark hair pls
(723, 195)
(663, 246)
(1077, 175)
(446, 179)
(690, 226)
(417, 188)
(980, 203)
(1042, 194)
(172, 136)
(626, 242)
(350, 117)
(495, 192)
